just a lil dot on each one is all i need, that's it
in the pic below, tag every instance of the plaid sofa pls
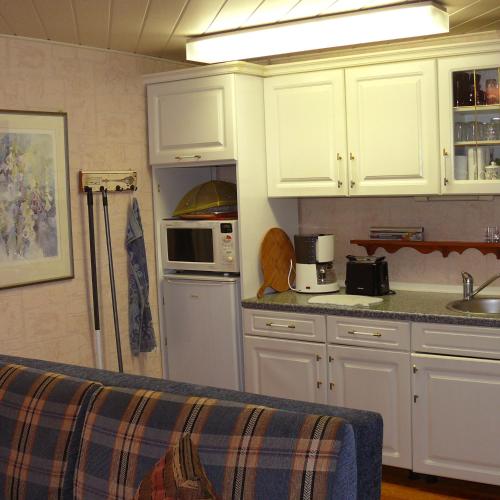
(71, 432)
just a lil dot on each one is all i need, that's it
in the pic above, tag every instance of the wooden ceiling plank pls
(4, 26)
(57, 19)
(126, 22)
(92, 18)
(479, 23)
(160, 22)
(307, 8)
(471, 22)
(453, 7)
(233, 14)
(270, 11)
(197, 16)
(473, 11)
(22, 18)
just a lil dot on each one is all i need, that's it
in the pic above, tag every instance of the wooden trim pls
(425, 247)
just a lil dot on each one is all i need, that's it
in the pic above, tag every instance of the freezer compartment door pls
(203, 331)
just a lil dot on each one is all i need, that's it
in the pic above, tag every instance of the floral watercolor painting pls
(35, 218)
(28, 228)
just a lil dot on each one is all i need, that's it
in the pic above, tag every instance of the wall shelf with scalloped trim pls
(445, 247)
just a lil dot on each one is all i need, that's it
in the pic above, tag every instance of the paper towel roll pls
(471, 163)
(461, 171)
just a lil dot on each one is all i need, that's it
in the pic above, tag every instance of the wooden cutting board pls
(276, 250)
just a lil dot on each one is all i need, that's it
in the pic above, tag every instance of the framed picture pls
(35, 217)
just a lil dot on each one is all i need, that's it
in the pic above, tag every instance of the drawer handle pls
(277, 325)
(186, 157)
(354, 332)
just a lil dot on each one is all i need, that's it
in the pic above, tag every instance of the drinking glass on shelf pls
(460, 131)
(492, 234)
(471, 131)
(490, 133)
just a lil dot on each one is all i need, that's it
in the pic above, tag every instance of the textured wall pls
(104, 96)
(351, 218)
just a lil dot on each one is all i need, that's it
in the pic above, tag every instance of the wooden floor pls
(396, 485)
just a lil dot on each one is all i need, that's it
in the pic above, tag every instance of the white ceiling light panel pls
(385, 23)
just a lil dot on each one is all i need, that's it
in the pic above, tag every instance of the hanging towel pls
(142, 336)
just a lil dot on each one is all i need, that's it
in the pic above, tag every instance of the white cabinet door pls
(392, 126)
(376, 380)
(191, 120)
(285, 368)
(305, 134)
(456, 417)
(466, 148)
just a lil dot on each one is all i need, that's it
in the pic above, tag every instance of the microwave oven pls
(200, 245)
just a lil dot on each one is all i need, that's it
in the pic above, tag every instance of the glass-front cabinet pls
(470, 124)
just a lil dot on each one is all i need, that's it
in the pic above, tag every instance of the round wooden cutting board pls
(276, 250)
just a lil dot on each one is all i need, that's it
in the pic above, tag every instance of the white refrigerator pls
(203, 329)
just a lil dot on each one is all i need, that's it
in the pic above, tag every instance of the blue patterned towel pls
(142, 336)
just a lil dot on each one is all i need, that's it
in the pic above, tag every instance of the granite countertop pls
(429, 307)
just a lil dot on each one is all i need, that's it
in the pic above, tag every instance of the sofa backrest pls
(247, 451)
(39, 415)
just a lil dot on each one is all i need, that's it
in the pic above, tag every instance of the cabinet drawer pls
(472, 341)
(369, 332)
(285, 325)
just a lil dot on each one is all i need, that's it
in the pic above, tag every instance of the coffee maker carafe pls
(314, 269)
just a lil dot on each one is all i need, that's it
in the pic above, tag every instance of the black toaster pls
(367, 276)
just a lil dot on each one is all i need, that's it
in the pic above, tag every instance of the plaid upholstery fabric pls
(38, 413)
(248, 452)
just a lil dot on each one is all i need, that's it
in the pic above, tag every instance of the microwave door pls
(190, 245)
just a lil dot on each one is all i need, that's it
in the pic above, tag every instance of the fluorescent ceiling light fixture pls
(372, 25)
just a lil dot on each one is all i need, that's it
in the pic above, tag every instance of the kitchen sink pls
(479, 305)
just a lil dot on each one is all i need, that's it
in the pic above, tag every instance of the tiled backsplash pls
(104, 96)
(351, 218)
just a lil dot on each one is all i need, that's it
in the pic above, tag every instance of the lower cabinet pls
(456, 417)
(285, 368)
(440, 406)
(377, 380)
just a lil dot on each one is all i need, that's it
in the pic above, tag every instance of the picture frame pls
(35, 210)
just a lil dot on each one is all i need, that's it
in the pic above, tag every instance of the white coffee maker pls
(315, 272)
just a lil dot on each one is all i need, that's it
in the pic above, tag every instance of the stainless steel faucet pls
(468, 283)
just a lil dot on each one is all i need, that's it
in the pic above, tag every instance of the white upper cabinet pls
(469, 116)
(392, 129)
(305, 134)
(191, 120)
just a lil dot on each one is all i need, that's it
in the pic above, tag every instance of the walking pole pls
(112, 277)
(95, 295)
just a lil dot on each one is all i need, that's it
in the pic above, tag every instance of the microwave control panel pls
(228, 246)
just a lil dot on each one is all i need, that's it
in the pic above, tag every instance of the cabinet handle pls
(339, 184)
(445, 159)
(352, 184)
(370, 334)
(332, 385)
(186, 157)
(415, 369)
(319, 384)
(318, 357)
(330, 359)
(277, 325)
(415, 398)
(351, 156)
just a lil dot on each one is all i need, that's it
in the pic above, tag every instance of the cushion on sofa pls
(178, 475)
(247, 451)
(38, 413)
